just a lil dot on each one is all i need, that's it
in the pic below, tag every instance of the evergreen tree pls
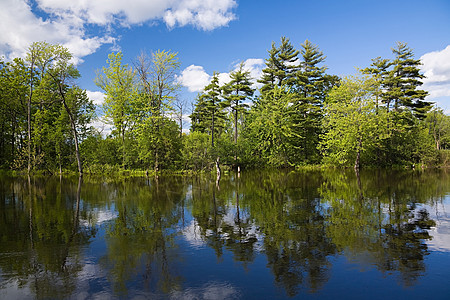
(311, 88)
(403, 82)
(280, 66)
(236, 92)
(208, 115)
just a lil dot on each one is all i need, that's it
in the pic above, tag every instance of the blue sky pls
(214, 35)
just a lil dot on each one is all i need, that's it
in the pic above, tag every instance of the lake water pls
(260, 235)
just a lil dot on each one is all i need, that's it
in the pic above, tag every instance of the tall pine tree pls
(280, 66)
(236, 92)
(208, 115)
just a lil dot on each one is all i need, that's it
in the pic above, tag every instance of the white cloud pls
(206, 15)
(102, 127)
(436, 68)
(202, 14)
(224, 78)
(64, 22)
(194, 78)
(97, 97)
(255, 66)
(20, 27)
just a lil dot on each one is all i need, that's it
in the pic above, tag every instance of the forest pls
(296, 115)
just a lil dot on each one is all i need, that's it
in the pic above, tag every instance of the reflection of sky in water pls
(440, 212)
(100, 217)
(192, 231)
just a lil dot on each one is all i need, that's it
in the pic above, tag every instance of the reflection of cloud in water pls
(210, 290)
(100, 217)
(12, 289)
(441, 233)
(192, 235)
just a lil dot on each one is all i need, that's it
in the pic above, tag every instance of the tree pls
(439, 127)
(269, 127)
(13, 112)
(157, 90)
(209, 110)
(349, 122)
(280, 66)
(117, 81)
(74, 100)
(236, 92)
(311, 88)
(403, 82)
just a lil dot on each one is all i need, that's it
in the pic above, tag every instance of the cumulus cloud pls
(194, 78)
(20, 26)
(102, 127)
(97, 97)
(65, 22)
(224, 78)
(436, 68)
(203, 14)
(255, 67)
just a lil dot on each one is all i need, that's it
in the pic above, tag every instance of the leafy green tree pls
(349, 122)
(157, 90)
(270, 128)
(197, 150)
(13, 117)
(75, 101)
(117, 81)
(439, 127)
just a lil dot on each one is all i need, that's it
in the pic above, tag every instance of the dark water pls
(263, 235)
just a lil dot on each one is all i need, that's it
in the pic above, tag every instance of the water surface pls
(260, 235)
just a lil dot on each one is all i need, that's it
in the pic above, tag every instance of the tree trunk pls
(358, 154)
(218, 168)
(74, 131)
(29, 117)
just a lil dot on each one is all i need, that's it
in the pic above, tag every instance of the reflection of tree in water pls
(283, 210)
(377, 215)
(220, 218)
(40, 226)
(140, 241)
(288, 212)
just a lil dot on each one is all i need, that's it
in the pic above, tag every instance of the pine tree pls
(235, 92)
(311, 86)
(208, 115)
(379, 71)
(280, 66)
(403, 82)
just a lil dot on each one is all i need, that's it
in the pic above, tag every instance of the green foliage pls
(280, 66)
(208, 115)
(350, 122)
(159, 142)
(270, 129)
(236, 92)
(300, 116)
(197, 151)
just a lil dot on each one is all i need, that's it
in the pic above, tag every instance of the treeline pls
(44, 115)
(301, 115)
(295, 114)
